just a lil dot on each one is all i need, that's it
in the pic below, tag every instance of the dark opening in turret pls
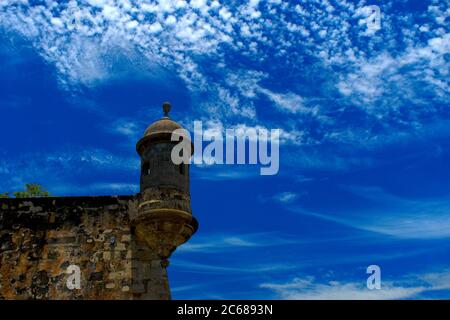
(146, 168)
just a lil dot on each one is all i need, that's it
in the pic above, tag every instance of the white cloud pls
(98, 188)
(224, 172)
(94, 157)
(289, 102)
(397, 217)
(286, 197)
(110, 12)
(155, 27)
(379, 74)
(127, 128)
(308, 288)
(215, 242)
(56, 170)
(189, 266)
(224, 13)
(171, 20)
(382, 84)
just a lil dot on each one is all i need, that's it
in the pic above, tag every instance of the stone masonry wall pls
(41, 237)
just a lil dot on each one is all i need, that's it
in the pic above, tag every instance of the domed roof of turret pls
(163, 125)
(160, 130)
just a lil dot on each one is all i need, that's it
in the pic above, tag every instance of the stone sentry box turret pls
(164, 218)
(120, 243)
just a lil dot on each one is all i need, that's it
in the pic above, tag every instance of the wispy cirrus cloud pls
(288, 102)
(393, 215)
(215, 242)
(286, 197)
(97, 188)
(224, 172)
(56, 170)
(188, 266)
(380, 73)
(309, 288)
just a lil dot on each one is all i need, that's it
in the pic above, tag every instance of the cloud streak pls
(215, 242)
(308, 288)
(394, 216)
(57, 170)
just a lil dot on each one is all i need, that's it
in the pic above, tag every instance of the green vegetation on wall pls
(32, 190)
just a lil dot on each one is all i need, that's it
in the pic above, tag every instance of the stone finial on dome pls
(166, 109)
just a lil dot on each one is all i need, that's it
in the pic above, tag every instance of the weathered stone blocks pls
(40, 238)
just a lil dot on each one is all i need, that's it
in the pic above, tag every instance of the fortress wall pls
(41, 237)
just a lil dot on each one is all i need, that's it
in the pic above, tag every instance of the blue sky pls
(364, 156)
